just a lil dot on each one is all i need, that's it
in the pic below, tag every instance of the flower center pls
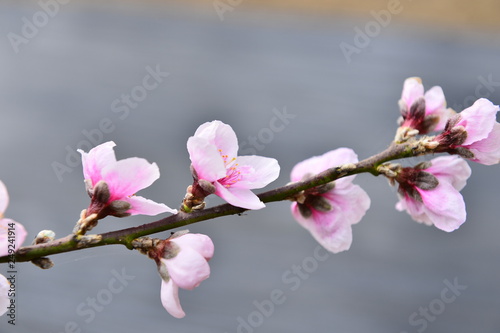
(233, 171)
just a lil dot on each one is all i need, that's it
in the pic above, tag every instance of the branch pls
(126, 236)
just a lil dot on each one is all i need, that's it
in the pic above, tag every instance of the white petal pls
(188, 268)
(4, 198)
(206, 159)
(140, 205)
(264, 171)
(20, 235)
(239, 197)
(198, 242)
(4, 298)
(96, 159)
(221, 135)
(128, 176)
(317, 164)
(170, 299)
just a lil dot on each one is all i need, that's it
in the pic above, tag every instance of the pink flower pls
(4, 292)
(213, 152)
(112, 184)
(423, 112)
(474, 133)
(183, 263)
(429, 192)
(12, 233)
(329, 210)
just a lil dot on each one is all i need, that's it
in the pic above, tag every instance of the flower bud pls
(101, 192)
(44, 236)
(119, 208)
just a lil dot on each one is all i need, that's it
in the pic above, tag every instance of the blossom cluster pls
(429, 191)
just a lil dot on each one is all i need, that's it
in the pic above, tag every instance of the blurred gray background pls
(69, 74)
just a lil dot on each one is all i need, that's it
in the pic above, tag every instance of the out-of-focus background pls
(72, 75)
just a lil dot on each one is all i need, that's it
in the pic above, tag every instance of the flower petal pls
(170, 299)
(96, 159)
(451, 169)
(198, 242)
(126, 177)
(239, 197)
(333, 229)
(415, 209)
(188, 268)
(444, 206)
(317, 164)
(434, 100)
(206, 159)
(487, 151)
(327, 229)
(351, 200)
(140, 205)
(4, 198)
(20, 235)
(478, 120)
(4, 291)
(435, 104)
(412, 89)
(220, 135)
(264, 171)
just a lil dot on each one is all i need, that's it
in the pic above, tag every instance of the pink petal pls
(451, 169)
(126, 177)
(206, 159)
(435, 104)
(351, 200)
(317, 164)
(198, 242)
(220, 135)
(188, 268)
(478, 120)
(264, 171)
(4, 198)
(328, 229)
(415, 209)
(487, 151)
(333, 229)
(96, 159)
(145, 206)
(434, 100)
(444, 116)
(239, 197)
(20, 236)
(412, 89)
(4, 291)
(445, 207)
(170, 299)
